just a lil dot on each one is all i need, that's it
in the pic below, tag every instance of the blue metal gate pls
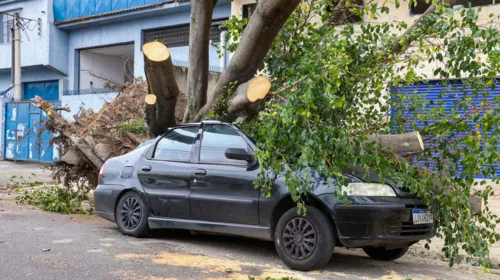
(23, 138)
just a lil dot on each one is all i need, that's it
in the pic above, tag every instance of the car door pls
(222, 189)
(165, 173)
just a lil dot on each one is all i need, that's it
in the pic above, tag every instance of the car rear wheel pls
(380, 253)
(132, 215)
(304, 242)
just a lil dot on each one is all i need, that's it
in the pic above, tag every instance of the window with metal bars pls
(248, 10)
(178, 36)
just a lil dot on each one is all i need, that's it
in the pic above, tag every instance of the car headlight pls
(368, 189)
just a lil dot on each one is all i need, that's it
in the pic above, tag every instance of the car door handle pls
(200, 172)
(146, 168)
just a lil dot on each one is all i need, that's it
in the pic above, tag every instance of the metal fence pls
(89, 91)
(178, 36)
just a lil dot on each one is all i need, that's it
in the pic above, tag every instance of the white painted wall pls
(132, 32)
(106, 66)
(85, 101)
(237, 7)
(34, 47)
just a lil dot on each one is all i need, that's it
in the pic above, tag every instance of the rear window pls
(176, 145)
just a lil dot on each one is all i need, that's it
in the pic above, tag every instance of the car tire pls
(132, 215)
(308, 245)
(381, 254)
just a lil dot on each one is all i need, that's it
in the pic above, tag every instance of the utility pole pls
(16, 41)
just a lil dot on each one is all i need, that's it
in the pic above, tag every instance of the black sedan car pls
(199, 177)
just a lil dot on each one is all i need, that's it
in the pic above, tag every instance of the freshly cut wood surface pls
(247, 93)
(156, 51)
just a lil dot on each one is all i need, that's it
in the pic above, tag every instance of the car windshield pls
(248, 136)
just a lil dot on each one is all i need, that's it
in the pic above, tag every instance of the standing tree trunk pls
(256, 40)
(199, 36)
(161, 82)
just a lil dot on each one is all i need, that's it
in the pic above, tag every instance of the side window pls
(176, 145)
(216, 139)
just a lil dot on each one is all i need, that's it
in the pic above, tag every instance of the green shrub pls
(133, 126)
(56, 199)
(18, 182)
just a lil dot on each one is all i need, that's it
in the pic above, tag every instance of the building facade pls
(75, 52)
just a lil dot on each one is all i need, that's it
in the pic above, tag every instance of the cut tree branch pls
(67, 109)
(408, 36)
(252, 91)
(263, 27)
(199, 39)
(161, 82)
(396, 143)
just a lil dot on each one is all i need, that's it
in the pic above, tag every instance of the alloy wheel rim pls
(299, 238)
(131, 213)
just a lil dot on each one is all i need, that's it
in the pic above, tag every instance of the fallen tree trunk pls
(255, 43)
(252, 91)
(85, 149)
(396, 143)
(159, 71)
(476, 202)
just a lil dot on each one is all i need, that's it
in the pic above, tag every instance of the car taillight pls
(101, 171)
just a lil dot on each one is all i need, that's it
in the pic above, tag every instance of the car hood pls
(368, 175)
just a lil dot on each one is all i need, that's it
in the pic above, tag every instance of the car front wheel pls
(304, 242)
(380, 253)
(132, 215)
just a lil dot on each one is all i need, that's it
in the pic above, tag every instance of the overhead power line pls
(23, 24)
(20, 17)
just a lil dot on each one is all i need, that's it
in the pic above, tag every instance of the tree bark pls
(161, 82)
(476, 204)
(397, 143)
(252, 91)
(199, 37)
(264, 25)
(77, 141)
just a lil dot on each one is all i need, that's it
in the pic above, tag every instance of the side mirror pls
(238, 154)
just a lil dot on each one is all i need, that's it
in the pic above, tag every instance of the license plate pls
(421, 217)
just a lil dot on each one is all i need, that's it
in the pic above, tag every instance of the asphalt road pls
(41, 245)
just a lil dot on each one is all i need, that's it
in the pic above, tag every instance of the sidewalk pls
(35, 171)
